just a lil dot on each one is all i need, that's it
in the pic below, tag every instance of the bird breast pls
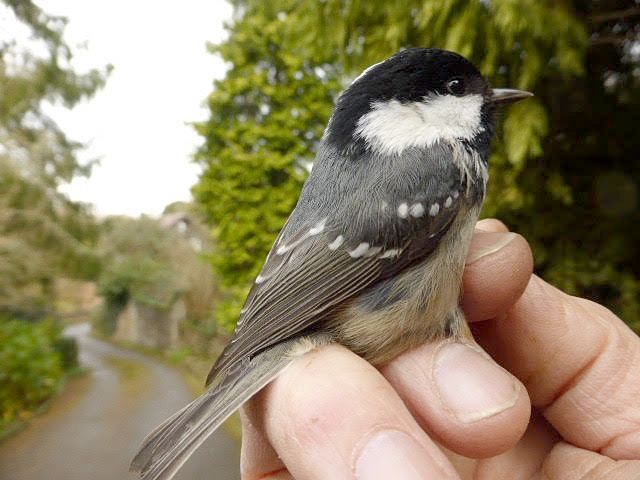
(416, 306)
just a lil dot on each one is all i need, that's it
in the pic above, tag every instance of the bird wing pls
(334, 246)
(315, 266)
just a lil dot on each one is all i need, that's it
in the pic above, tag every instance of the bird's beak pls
(508, 95)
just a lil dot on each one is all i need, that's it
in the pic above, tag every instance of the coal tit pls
(372, 255)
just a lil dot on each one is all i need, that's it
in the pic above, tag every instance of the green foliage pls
(265, 118)
(104, 317)
(565, 164)
(42, 234)
(32, 72)
(31, 370)
(67, 349)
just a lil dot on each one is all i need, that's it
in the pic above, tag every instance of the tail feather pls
(166, 449)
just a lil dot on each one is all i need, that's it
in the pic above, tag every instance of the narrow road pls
(93, 430)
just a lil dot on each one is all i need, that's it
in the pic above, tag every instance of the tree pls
(42, 233)
(564, 163)
(29, 79)
(265, 118)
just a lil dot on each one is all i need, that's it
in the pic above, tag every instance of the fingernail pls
(490, 225)
(471, 386)
(394, 454)
(485, 243)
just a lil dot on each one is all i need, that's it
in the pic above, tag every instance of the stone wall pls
(147, 326)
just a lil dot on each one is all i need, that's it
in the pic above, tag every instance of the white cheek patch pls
(391, 127)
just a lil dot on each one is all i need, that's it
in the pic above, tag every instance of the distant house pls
(184, 224)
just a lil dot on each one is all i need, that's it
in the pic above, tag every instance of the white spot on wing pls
(403, 210)
(448, 202)
(456, 194)
(435, 208)
(391, 127)
(336, 243)
(360, 250)
(372, 251)
(319, 227)
(261, 278)
(394, 252)
(416, 210)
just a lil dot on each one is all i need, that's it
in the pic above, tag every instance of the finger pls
(569, 462)
(498, 269)
(332, 415)
(258, 459)
(580, 364)
(521, 462)
(461, 397)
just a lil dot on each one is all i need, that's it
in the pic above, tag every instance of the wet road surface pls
(93, 430)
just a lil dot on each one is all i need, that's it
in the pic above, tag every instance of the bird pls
(372, 255)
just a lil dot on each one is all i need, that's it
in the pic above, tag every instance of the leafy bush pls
(32, 368)
(67, 348)
(104, 318)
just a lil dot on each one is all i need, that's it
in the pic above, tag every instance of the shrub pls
(67, 348)
(31, 370)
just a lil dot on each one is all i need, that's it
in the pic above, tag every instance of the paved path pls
(93, 430)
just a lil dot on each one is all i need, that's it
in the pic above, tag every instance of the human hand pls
(433, 410)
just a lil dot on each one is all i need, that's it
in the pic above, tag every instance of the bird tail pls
(166, 449)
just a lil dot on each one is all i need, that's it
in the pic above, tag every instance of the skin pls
(558, 397)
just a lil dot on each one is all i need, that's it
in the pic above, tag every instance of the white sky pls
(136, 125)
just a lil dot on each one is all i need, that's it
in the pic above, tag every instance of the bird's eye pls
(455, 86)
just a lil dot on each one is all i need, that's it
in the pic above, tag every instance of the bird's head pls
(416, 98)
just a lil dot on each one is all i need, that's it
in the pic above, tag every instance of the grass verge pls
(22, 422)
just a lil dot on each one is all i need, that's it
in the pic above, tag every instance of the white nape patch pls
(336, 243)
(318, 228)
(448, 202)
(416, 210)
(365, 71)
(394, 252)
(435, 208)
(403, 210)
(360, 250)
(391, 127)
